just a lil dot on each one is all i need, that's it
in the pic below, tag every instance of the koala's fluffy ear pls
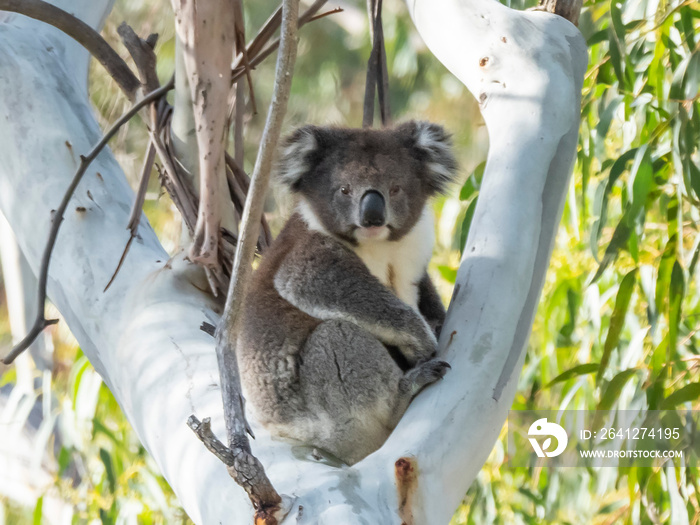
(432, 145)
(297, 156)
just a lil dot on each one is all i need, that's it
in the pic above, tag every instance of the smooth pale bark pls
(143, 334)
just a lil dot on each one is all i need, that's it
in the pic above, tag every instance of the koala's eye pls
(394, 190)
(345, 190)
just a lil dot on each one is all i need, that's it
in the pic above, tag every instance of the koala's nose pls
(372, 209)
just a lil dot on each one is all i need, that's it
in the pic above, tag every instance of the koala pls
(339, 331)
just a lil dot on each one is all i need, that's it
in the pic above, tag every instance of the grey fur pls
(319, 328)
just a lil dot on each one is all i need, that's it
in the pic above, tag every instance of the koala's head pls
(362, 184)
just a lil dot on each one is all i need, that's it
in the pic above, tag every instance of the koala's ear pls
(298, 152)
(431, 145)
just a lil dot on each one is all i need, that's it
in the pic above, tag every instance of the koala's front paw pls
(425, 374)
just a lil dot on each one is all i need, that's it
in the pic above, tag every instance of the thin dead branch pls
(81, 33)
(136, 208)
(327, 13)
(377, 72)
(143, 53)
(240, 47)
(259, 51)
(41, 322)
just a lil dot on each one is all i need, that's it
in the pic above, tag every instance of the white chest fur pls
(400, 265)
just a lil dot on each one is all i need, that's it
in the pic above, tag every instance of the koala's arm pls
(326, 281)
(430, 305)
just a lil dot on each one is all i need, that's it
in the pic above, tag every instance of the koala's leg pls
(354, 391)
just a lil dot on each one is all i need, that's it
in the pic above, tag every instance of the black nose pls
(372, 209)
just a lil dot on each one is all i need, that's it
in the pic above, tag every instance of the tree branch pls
(207, 32)
(41, 322)
(81, 33)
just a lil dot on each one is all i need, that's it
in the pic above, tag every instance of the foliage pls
(618, 320)
(621, 292)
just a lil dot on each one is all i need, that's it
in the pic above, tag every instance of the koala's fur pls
(332, 301)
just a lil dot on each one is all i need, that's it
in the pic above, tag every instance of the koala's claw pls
(426, 373)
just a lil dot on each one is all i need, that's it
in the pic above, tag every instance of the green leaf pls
(597, 37)
(601, 130)
(466, 223)
(576, 371)
(616, 57)
(64, 457)
(691, 79)
(694, 261)
(694, 178)
(109, 470)
(79, 367)
(663, 280)
(473, 182)
(687, 394)
(448, 273)
(687, 24)
(600, 204)
(619, 239)
(677, 292)
(677, 92)
(38, 511)
(614, 389)
(10, 376)
(641, 179)
(617, 320)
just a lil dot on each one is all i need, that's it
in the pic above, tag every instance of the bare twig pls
(206, 436)
(256, 53)
(41, 322)
(142, 51)
(239, 182)
(81, 33)
(238, 107)
(240, 47)
(327, 13)
(377, 73)
(238, 123)
(383, 71)
(136, 208)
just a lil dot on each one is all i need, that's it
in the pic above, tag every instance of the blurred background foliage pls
(617, 326)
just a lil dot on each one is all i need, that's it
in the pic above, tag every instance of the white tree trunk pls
(143, 335)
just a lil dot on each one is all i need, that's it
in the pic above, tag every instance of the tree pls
(513, 265)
